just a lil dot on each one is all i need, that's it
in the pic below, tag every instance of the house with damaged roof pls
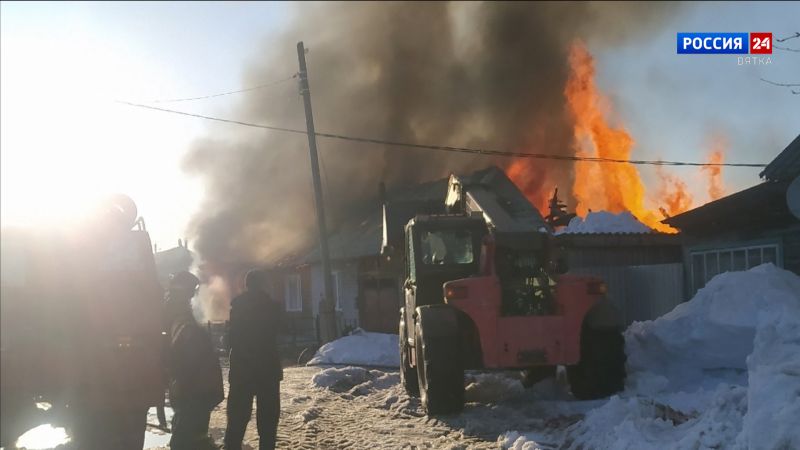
(648, 273)
(758, 225)
(367, 254)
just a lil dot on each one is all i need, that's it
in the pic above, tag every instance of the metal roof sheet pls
(785, 166)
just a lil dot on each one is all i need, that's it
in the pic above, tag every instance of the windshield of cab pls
(446, 247)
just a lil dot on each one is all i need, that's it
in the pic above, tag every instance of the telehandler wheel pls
(408, 374)
(601, 370)
(440, 372)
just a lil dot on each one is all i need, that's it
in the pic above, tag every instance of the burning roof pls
(363, 237)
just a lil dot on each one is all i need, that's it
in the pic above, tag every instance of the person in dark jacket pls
(255, 363)
(195, 377)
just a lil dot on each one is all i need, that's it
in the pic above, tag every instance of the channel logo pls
(725, 43)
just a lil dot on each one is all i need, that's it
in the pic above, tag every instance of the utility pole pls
(327, 318)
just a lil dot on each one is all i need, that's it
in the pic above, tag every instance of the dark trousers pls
(240, 407)
(103, 429)
(190, 427)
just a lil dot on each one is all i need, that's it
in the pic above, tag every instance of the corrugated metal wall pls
(641, 292)
(586, 256)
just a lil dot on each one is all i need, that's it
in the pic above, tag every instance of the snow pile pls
(720, 371)
(605, 222)
(355, 381)
(716, 329)
(496, 387)
(773, 397)
(491, 388)
(634, 423)
(360, 348)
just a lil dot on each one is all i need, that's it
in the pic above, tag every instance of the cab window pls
(446, 247)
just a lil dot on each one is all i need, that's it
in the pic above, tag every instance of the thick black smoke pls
(470, 74)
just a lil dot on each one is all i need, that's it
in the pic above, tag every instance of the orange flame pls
(530, 179)
(614, 187)
(716, 189)
(673, 192)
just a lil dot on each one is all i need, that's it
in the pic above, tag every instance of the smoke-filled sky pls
(458, 74)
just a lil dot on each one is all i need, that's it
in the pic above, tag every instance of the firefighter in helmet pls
(195, 377)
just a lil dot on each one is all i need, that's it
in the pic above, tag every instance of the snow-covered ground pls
(605, 222)
(354, 380)
(721, 371)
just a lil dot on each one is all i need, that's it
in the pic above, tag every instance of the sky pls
(674, 104)
(64, 141)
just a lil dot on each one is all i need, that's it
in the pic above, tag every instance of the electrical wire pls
(260, 86)
(446, 148)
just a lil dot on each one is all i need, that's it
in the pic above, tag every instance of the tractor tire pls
(408, 374)
(440, 372)
(601, 370)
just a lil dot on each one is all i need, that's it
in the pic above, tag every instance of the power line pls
(260, 86)
(780, 84)
(778, 47)
(446, 148)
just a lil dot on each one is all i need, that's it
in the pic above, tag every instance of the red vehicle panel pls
(522, 341)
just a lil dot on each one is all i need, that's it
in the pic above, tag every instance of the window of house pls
(712, 266)
(769, 255)
(740, 260)
(725, 261)
(709, 263)
(293, 294)
(698, 271)
(336, 278)
(753, 257)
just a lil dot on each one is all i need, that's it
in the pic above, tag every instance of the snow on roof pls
(605, 222)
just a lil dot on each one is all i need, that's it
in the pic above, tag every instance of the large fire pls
(673, 193)
(530, 178)
(613, 187)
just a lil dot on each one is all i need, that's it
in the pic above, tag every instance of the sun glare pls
(43, 437)
(65, 143)
(54, 122)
